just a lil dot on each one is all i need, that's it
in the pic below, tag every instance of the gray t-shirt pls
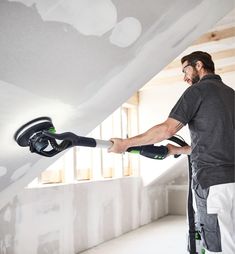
(208, 109)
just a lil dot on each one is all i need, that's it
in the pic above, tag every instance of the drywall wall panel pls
(71, 218)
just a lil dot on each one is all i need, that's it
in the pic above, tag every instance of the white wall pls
(67, 219)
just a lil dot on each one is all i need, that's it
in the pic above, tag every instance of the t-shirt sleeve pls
(187, 106)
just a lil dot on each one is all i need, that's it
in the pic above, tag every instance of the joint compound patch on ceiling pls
(126, 32)
(94, 18)
(87, 16)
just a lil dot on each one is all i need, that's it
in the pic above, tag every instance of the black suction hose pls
(190, 212)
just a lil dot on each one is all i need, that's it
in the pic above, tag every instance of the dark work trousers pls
(207, 224)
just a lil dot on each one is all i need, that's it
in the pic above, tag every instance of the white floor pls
(165, 236)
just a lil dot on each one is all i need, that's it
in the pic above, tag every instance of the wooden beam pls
(132, 101)
(216, 35)
(226, 69)
(223, 54)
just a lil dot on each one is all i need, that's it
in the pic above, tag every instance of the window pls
(84, 163)
(54, 173)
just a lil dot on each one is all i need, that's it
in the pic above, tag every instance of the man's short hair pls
(204, 57)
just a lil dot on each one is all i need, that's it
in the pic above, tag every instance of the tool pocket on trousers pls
(207, 223)
(211, 233)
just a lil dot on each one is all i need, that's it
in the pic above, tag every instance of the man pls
(207, 106)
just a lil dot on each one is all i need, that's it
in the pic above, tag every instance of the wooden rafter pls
(216, 35)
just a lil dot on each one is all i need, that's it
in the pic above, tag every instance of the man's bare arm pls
(154, 135)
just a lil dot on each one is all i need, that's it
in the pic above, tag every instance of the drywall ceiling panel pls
(78, 60)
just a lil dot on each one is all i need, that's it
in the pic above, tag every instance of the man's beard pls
(195, 77)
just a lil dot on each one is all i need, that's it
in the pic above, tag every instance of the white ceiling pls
(77, 61)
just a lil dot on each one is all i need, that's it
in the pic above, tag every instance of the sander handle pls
(71, 139)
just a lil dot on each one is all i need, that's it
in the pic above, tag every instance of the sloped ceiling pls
(77, 61)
